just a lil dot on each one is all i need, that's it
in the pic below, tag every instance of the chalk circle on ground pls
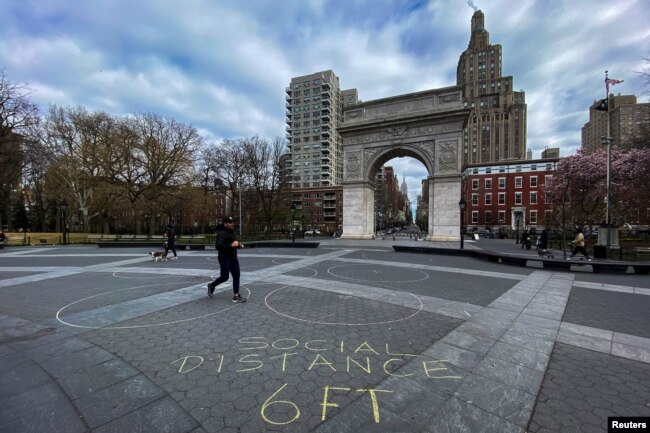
(201, 287)
(148, 275)
(418, 309)
(377, 274)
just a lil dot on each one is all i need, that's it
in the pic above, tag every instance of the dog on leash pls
(158, 255)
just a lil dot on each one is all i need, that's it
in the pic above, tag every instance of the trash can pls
(600, 251)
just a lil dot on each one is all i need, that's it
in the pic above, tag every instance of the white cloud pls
(223, 66)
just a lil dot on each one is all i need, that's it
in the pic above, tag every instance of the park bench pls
(641, 251)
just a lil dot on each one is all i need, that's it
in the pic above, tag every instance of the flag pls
(612, 81)
(602, 105)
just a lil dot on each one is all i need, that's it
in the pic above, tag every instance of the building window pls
(547, 179)
(502, 198)
(474, 217)
(518, 182)
(533, 198)
(518, 198)
(533, 217)
(488, 183)
(475, 199)
(488, 199)
(474, 183)
(502, 217)
(488, 217)
(533, 181)
(502, 183)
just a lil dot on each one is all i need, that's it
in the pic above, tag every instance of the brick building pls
(318, 208)
(500, 195)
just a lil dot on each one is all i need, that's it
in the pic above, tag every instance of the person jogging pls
(227, 245)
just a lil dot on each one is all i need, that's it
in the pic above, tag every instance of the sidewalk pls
(350, 336)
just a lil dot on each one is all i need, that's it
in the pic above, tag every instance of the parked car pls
(312, 232)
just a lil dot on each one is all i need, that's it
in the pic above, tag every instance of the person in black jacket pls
(227, 245)
(170, 240)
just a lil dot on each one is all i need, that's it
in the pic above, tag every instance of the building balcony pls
(288, 90)
(288, 114)
(324, 141)
(325, 86)
(326, 159)
(325, 134)
(329, 214)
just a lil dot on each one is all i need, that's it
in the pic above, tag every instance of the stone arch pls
(427, 126)
(397, 151)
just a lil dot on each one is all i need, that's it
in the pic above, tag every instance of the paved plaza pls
(346, 337)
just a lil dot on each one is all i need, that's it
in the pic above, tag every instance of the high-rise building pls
(496, 129)
(629, 123)
(314, 112)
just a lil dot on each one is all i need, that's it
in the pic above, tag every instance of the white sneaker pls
(174, 258)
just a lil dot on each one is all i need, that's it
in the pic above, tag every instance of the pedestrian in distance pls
(579, 245)
(227, 246)
(524, 239)
(170, 241)
(543, 240)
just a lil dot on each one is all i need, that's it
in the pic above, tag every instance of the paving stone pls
(518, 376)
(582, 388)
(502, 400)
(39, 409)
(460, 417)
(161, 416)
(115, 401)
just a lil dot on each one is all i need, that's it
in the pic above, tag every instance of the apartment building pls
(629, 123)
(318, 208)
(496, 130)
(314, 105)
(508, 195)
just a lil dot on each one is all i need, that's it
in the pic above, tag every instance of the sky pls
(223, 65)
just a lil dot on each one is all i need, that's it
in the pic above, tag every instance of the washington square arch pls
(427, 126)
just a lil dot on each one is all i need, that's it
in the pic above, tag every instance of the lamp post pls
(607, 141)
(63, 207)
(293, 231)
(462, 204)
(518, 222)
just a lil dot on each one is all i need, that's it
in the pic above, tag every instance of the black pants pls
(170, 247)
(579, 249)
(228, 265)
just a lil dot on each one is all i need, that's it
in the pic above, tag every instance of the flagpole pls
(609, 163)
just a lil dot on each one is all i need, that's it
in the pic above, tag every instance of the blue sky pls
(223, 65)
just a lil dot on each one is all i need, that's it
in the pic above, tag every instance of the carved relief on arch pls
(353, 165)
(368, 154)
(429, 149)
(447, 152)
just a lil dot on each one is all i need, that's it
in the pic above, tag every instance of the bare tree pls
(18, 116)
(162, 158)
(265, 173)
(76, 143)
(229, 165)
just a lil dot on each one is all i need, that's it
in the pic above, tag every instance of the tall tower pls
(496, 130)
(314, 112)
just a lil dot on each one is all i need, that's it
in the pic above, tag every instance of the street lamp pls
(607, 141)
(462, 204)
(293, 231)
(63, 207)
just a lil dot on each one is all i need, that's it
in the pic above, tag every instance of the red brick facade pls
(499, 194)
